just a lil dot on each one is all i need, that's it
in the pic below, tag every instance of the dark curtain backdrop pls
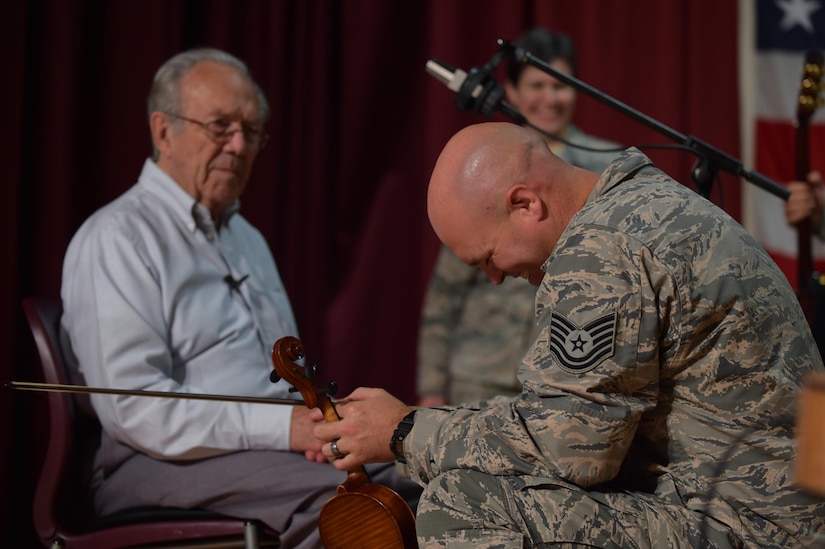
(357, 125)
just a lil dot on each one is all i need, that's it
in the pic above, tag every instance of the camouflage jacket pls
(473, 333)
(668, 364)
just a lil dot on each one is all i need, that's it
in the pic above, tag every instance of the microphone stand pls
(710, 159)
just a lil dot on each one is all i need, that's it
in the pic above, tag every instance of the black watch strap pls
(401, 432)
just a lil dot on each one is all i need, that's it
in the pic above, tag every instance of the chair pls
(62, 520)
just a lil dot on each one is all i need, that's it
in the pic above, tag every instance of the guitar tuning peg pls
(274, 377)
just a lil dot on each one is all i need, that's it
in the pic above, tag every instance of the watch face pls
(398, 450)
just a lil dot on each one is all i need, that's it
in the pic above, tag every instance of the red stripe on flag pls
(774, 149)
(775, 143)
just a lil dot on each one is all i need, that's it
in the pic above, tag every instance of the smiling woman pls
(549, 104)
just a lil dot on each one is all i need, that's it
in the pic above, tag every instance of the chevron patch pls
(579, 349)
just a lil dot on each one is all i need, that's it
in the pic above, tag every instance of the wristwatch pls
(401, 432)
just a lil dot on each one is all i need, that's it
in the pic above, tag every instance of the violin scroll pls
(362, 514)
(302, 378)
(285, 351)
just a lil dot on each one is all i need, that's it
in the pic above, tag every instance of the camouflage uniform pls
(473, 333)
(660, 390)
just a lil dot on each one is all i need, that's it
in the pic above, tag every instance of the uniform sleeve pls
(590, 375)
(116, 322)
(443, 304)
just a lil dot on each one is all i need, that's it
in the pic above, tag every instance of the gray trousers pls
(281, 489)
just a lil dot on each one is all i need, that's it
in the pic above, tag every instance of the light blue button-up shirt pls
(148, 307)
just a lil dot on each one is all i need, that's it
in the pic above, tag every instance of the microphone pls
(452, 77)
(476, 90)
(234, 284)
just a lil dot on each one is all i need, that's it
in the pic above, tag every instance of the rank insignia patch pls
(580, 349)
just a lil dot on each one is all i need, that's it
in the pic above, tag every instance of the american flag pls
(774, 36)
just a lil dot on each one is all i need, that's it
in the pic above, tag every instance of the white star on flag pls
(797, 12)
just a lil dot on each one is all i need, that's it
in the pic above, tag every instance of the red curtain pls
(357, 125)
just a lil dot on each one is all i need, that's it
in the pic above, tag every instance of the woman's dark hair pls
(547, 46)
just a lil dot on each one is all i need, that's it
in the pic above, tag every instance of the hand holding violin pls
(362, 514)
(368, 419)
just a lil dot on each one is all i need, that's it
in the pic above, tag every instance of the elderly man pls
(169, 288)
(658, 398)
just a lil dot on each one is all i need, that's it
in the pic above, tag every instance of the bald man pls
(658, 398)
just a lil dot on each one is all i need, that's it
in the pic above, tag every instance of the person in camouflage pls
(658, 400)
(474, 333)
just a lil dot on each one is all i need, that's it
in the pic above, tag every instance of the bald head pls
(491, 175)
(475, 157)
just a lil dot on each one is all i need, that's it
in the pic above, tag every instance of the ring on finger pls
(333, 446)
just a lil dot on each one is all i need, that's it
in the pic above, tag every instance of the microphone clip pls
(234, 285)
(491, 92)
(489, 99)
(482, 93)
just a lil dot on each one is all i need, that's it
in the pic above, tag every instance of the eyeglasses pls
(219, 131)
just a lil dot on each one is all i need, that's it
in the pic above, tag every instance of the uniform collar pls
(625, 166)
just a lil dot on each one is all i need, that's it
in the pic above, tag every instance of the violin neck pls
(356, 478)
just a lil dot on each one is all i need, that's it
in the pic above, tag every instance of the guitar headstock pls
(809, 88)
(302, 378)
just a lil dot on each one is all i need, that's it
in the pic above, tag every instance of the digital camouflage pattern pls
(661, 389)
(473, 333)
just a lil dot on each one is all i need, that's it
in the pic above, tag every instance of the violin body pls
(362, 515)
(371, 516)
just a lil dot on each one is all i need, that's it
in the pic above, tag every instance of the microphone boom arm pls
(705, 151)
(478, 89)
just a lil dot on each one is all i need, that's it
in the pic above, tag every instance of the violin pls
(361, 514)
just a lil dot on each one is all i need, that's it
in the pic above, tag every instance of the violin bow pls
(83, 389)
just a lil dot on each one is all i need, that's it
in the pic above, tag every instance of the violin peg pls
(331, 388)
(296, 350)
(274, 377)
(311, 372)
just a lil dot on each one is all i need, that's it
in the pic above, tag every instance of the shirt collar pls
(194, 214)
